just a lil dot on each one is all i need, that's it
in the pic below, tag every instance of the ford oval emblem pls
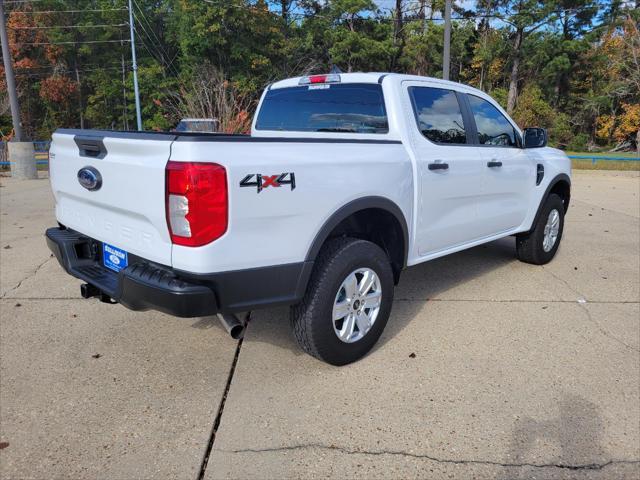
(90, 178)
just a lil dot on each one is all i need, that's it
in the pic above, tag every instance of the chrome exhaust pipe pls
(233, 325)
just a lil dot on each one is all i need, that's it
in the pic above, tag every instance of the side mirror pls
(535, 137)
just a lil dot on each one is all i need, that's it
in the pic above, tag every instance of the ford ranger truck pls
(344, 181)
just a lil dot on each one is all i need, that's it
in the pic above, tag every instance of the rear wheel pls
(347, 303)
(540, 245)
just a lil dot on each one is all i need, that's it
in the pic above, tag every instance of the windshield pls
(349, 108)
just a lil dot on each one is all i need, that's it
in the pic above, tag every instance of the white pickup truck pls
(345, 180)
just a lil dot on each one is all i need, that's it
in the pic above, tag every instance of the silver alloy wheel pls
(357, 304)
(551, 230)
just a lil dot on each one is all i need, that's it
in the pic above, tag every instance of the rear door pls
(509, 174)
(449, 169)
(127, 209)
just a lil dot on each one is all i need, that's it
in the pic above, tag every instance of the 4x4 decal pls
(264, 181)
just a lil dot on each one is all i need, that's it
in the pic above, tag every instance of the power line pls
(38, 12)
(57, 72)
(141, 42)
(69, 26)
(48, 67)
(135, 3)
(159, 55)
(163, 52)
(147, 36)
(70, 43)
(148, 49)
(159, 42)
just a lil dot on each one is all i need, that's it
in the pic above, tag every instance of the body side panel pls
(557, 166)
(277, 225)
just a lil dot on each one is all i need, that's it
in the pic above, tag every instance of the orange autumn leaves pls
(31, 58)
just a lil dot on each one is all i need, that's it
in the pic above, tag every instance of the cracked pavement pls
(488, 368)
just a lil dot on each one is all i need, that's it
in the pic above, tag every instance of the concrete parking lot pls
(488, 368)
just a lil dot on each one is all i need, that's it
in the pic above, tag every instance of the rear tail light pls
(330, 78)
(196, 202)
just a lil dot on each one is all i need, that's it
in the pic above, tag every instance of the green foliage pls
(562, 132)
(532, 109)
(500, 95)
(579, 143)
(569, 64)
(5, 125)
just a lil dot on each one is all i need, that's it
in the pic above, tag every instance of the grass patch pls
(587, 163)
(605, 154)
(605, 165)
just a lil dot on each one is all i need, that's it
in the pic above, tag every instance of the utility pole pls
(125, 119)
(446, 54)
(21, 154)
(8, 73)
(135, 68)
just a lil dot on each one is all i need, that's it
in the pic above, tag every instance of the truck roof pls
(371, 77)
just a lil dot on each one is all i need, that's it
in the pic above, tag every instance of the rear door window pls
(493, 127)
(439, 115)
(344, 108)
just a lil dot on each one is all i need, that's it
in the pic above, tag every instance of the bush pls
(206, 93)
(500, 96)
(561, 131)
(534, 111)
(579, 143)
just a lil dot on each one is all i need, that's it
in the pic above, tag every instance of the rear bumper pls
(144, 285)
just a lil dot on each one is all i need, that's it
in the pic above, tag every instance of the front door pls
(509, 174)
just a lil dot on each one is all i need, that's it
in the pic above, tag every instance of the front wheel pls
(347, 303)
(540, 245)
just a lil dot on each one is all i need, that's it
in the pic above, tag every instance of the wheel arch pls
(560, 185)
(352, 210)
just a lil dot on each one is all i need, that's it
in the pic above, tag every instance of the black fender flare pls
(349, 209)
(562, 177)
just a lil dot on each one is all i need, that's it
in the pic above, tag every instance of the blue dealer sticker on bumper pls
(114, 258)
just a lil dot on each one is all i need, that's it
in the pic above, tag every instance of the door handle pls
(438, 166)
(493, 164)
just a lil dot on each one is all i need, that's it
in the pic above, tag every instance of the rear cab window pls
(438, 115)
(342, 108)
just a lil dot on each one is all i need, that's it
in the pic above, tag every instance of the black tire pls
(311, 319)
(529, 246)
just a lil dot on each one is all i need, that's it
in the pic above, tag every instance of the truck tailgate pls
(128, 209)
